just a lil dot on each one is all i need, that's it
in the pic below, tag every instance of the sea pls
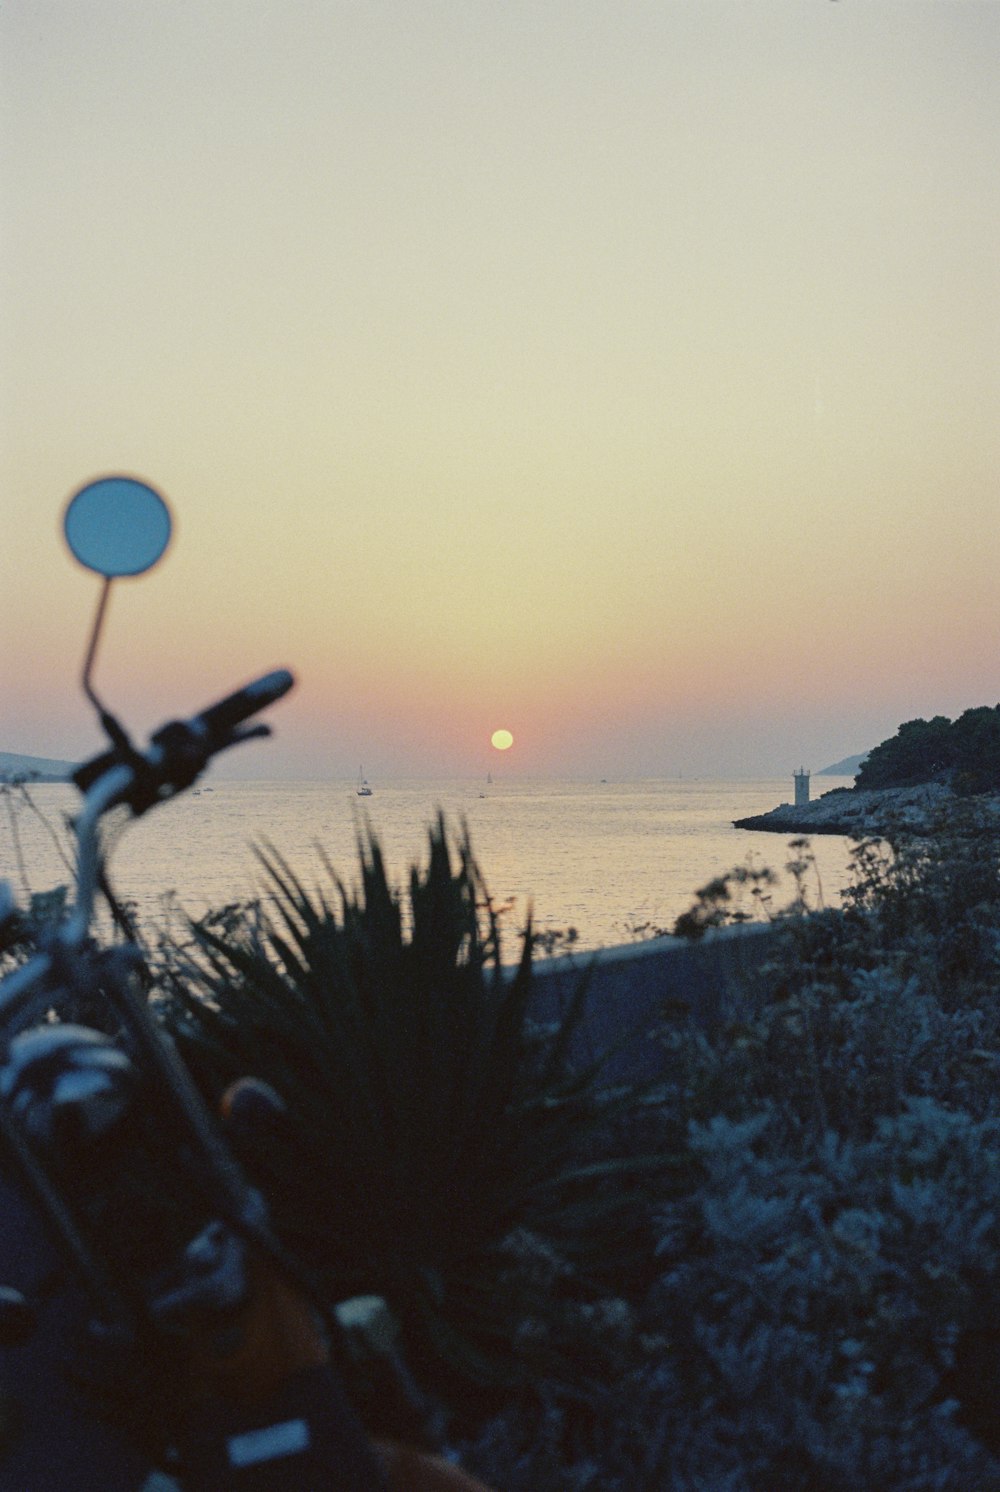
(611, 861)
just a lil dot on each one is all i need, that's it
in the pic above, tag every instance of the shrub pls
(826, 1306)
(965, 751)
(439, 1149)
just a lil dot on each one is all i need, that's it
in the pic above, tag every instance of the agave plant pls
(439, 1148)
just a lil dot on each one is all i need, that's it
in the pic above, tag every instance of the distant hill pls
(849, 767)
(41, 768)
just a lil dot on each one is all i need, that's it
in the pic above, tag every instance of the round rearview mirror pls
(117, 526)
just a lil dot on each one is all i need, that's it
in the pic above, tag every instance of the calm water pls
(600, 857)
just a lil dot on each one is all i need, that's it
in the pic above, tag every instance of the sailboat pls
(489, 783)
(364, 791)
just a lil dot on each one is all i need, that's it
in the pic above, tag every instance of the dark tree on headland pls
(964, 752)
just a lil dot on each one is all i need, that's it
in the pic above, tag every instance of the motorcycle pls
(152, 1325)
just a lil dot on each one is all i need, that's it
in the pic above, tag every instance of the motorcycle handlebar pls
(217, 722)
(180, 750)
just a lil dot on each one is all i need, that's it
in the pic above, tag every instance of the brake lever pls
(241, 733)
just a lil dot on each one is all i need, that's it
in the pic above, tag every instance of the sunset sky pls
(620, 373)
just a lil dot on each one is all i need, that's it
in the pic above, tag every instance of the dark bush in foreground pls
(828, 1305)
(439, 1151)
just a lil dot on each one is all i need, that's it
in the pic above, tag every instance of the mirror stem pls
(108, 721)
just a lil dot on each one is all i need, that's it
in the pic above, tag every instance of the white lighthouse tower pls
(801, 787)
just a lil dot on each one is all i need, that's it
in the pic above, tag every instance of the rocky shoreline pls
(884, 814)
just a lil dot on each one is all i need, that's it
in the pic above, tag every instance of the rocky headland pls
(34, 768)
(885, 813)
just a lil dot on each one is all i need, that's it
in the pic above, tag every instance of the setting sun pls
(501, 739)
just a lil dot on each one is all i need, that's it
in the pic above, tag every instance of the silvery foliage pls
(825, 1309)
(815, 1320)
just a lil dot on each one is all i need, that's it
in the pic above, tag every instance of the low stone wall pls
(632, 989)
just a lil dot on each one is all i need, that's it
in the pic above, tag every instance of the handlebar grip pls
(219, 719)
(180, 750)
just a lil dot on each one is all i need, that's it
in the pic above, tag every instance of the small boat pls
(364, 791)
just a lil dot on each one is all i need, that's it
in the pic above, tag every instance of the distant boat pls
(489, 783)
(364, 791)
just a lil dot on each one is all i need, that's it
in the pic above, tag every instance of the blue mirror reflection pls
(117, 526)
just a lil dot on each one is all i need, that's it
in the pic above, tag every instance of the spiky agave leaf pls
(424, 1122)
